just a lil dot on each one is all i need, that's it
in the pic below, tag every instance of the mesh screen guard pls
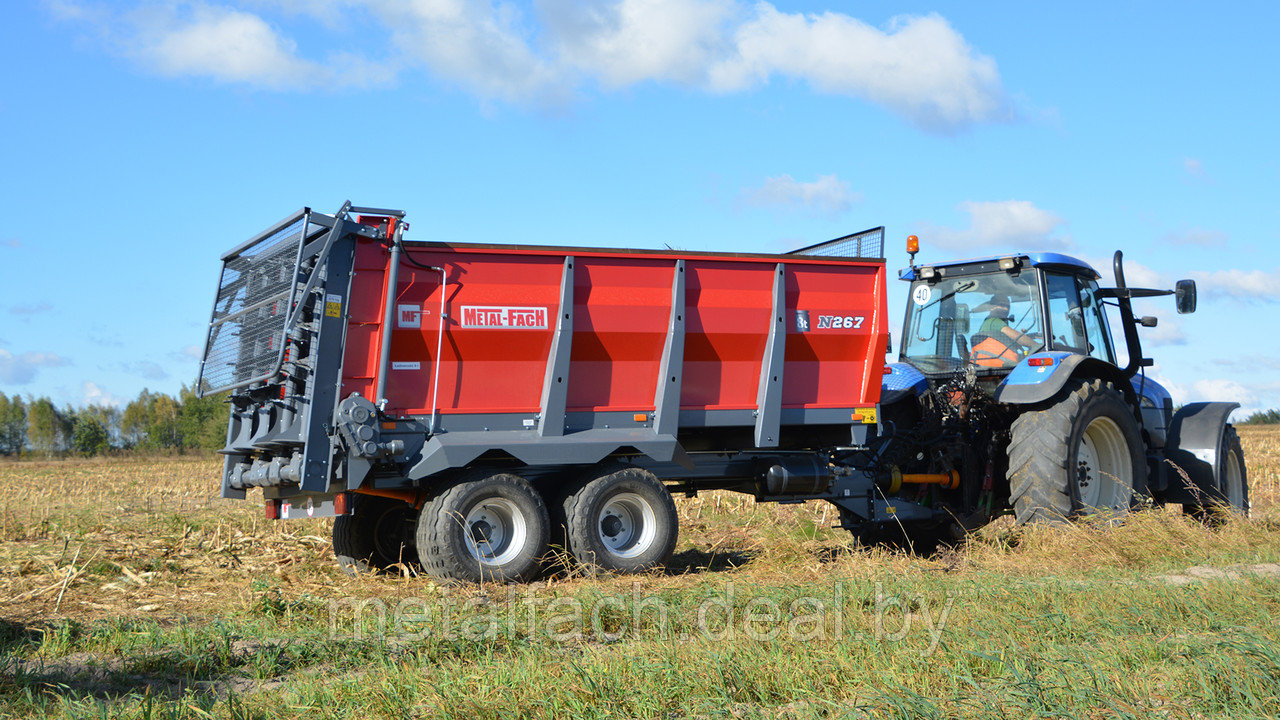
(256, 291)
(865, 244)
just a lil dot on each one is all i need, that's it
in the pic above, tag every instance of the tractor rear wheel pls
(1081, 456)
(485, 527)
(377, 534)
(623, 521)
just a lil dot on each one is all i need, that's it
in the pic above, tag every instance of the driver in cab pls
(998, 343)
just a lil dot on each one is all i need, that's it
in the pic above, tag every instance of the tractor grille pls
(865, 244)
(255, 294)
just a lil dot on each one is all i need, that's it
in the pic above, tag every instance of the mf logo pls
(409, 316)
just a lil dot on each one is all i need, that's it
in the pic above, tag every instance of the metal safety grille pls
(865, 244)
(255, 294)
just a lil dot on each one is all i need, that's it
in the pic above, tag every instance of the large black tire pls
(1080, 456)
(624, 521)
(1231, 497)
(487, 527)
(377, 534)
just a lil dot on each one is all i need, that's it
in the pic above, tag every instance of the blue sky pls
(141, 138)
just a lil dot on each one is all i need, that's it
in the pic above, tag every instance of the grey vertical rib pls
(666, 397)
(555, 386)
(769, 394)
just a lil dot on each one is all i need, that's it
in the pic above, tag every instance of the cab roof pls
(1042, 260)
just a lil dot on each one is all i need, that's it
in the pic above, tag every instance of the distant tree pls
(13, 425)
(89, 436)
(106, 416)
(202, 421)
(136, 419)
(1263, 417)
(44, 426)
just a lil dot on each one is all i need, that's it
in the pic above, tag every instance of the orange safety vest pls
(993, 353)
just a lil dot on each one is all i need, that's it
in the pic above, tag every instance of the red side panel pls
(502, 304)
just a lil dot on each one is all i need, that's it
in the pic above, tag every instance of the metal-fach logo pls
(486, 316)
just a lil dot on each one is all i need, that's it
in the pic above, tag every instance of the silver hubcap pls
(495, 531)
(1104, 470)
(1234, 483)
(627, 525)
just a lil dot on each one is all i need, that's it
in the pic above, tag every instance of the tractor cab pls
(989, 314)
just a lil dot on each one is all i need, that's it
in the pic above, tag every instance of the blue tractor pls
(1008, 389)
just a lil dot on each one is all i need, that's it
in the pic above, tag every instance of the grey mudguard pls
(1070, 366)
(1195, 442)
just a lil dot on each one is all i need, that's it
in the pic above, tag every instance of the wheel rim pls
(627, 525)
(495, 531)
(1234, 483)
(1104, 469)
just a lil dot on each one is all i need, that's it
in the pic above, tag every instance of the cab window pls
(1076, 321)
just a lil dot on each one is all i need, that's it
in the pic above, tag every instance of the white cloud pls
(1193, 167)
(91, 394)
(827, 194)
(1252, 396)
(145, 369)
(1167, 332)
(919, 67)
(479, 46)
(11, 243)
(31, 308)
(22, 369)
(1199, 237)
(223, 44)
(632, 41)
(1245, 285)
(1014, 224)
(1136, 274)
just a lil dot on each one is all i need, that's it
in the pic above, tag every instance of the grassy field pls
(128, 589)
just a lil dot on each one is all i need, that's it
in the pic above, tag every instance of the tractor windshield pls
(991, 320)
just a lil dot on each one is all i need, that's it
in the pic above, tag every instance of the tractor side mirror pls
(1185, 295)
(961, 323)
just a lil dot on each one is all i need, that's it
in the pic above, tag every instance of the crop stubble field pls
(128, 589)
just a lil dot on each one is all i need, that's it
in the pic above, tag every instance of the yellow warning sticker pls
(866, 415)
(333, 306)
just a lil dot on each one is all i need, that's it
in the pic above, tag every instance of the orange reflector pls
(388, 426)
(1040, 361)
(913, 244)
(640, 417)
(342, 503)
(273, 509)
(856, 417)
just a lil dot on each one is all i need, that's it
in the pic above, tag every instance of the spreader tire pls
(489, 527)
(623, 521)
(377, 534)
(1081, 456)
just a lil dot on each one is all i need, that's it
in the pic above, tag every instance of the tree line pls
(152, 422)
